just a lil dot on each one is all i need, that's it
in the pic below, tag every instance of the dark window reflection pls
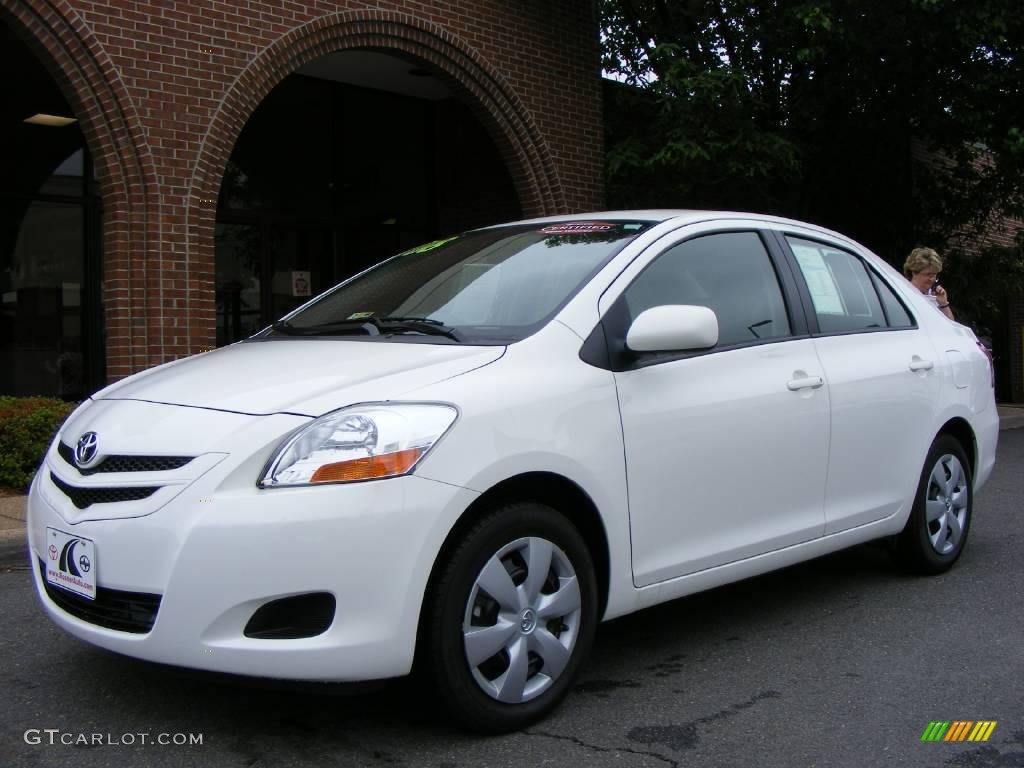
(239, 297)
(42, 303)
(50, 321)
(329, 178)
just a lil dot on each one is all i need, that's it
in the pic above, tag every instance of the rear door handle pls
(917, 364)
(804, 382)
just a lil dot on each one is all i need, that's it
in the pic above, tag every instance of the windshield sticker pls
(359, 315)
(578, 228)
(428, 246)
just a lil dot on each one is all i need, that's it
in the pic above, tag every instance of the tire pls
(510, 618)
(936, 531)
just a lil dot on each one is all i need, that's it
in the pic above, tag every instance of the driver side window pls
(729, 272)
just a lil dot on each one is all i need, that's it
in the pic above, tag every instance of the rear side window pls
(895, 312)
(730, 272)
(841, 289)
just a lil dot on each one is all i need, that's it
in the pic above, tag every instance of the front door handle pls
(804, 382)
(917, 364)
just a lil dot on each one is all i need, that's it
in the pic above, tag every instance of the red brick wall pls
(163, 89)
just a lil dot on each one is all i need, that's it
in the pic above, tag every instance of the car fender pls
(540, 409)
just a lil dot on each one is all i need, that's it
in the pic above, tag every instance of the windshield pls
(490, 286)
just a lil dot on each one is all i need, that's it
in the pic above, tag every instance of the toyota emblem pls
(87, 449)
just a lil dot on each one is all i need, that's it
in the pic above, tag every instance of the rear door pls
(883, 377)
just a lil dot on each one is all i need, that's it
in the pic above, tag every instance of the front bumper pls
(214, 555)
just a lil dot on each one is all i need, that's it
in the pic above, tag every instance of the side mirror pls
(673, 327)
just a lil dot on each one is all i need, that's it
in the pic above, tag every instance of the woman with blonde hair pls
(922, 268)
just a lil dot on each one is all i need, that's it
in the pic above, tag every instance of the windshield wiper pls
(366, 325)
(428, 325)
(410, 319)
(372, 326)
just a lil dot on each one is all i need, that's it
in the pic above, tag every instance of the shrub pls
(27, 425)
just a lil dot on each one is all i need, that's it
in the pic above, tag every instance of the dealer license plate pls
(71, 563)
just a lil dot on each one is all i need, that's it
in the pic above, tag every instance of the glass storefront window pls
(239, 294)
(42, 284)
(50, 276)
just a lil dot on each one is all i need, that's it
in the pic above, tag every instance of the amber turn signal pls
(385, 465)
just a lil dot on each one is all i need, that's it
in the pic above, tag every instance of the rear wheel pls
(511, 618)
(940, 519)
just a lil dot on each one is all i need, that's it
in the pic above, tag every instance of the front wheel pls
(511, 617)
(940, 519)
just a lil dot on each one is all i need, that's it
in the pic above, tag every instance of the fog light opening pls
(293, 618)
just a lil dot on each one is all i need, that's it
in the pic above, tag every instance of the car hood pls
(309, 377)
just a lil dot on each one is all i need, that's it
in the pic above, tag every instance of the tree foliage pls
(898, 122)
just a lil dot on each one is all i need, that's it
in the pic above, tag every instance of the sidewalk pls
(12, 531)
(12, 508)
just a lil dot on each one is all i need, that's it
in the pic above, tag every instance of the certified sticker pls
(578, 228)
(71, 563)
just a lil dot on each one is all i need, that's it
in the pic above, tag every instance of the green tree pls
(832, 111)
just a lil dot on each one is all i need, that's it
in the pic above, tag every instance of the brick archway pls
(125, 170)
(488, 95)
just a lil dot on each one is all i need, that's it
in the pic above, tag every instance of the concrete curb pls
(1011, 417)
(12, 528)
(13, 554)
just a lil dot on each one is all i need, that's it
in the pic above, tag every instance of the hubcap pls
(946, 504)
(522, 620)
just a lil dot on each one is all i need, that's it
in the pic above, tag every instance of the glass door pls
(265, 269)
(302, 262)
(41, 290)
(239, 285)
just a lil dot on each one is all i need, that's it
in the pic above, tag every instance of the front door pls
(726, 450)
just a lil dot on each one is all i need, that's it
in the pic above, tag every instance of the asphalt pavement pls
(842, 661)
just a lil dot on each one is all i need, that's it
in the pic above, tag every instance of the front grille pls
(125, 463)
(114, 609)
(84, 497)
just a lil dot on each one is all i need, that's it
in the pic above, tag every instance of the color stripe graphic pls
(959, 730)
(935, 730)
(982, 730)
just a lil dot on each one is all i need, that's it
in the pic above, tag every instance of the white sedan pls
(467, 456)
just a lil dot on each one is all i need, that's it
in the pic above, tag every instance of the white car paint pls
(731, 475)
(304, 375)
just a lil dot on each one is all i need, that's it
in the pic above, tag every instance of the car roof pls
(679, 216)
(649, 214)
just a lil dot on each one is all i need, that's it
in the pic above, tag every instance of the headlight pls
(364, 442)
